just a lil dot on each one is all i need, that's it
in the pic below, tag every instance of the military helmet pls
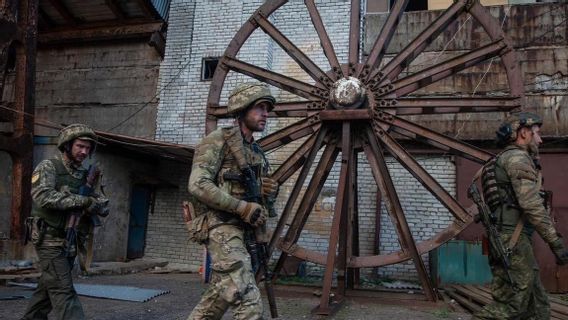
(507, 131)
(75, 131)
(246, 94)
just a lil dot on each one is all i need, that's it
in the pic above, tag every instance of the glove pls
(97, 207)
(560, 252)
(252, 213)
(269, 187)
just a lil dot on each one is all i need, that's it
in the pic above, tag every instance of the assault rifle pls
(258, 251)
(87, 189)
(497, 250)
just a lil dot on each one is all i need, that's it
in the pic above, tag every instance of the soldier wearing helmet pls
(55, 186)
(512, 189)
(216, 184)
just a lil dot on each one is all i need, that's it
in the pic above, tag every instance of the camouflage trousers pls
(233, 284)
(55, 287)
(528, 300)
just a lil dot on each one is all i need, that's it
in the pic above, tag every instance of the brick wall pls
(206, 32)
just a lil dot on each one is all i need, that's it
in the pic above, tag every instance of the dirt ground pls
(185, 290)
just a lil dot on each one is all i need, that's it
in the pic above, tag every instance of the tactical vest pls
(500, 196)
(57, 218)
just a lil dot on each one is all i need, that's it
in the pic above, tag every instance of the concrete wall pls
(537, 31)
(99, 85)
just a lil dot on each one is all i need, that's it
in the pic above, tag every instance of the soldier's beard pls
(532, 148)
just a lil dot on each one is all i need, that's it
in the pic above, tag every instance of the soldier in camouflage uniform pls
(214, 181)
(511, 186)
(55, 184)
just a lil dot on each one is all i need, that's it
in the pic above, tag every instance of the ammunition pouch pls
(199, 229)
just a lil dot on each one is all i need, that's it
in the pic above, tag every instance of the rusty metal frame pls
(371, 127)
(20, 143)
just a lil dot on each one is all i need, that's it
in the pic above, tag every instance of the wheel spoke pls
(324, 38)
(296, 109)
(297, 188)
(416, 106)
(385, 36)
(444, 69)
(386, 186)
(434, 138)
(354, 34)
(283, 82)
(422, 175)
(295, 161)
(339, 212)
(292, 50)
(413, 49)
(290, 133)
(321, 173)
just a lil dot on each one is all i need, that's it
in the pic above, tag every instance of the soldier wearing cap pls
(218, 159)
(511, 186)
(55, 185)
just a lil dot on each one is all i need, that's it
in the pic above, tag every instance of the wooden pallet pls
(474, 298)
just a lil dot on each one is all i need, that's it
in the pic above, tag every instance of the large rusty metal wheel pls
(359, 106)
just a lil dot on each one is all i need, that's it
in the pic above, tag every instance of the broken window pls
(208, 67)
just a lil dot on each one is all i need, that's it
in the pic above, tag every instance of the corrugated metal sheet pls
(163, 8)
(90, 11)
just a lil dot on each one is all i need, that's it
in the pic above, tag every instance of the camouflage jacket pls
(58, 201)
(210, 182)
(525, 181)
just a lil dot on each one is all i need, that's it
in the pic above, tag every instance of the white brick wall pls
(200, 28)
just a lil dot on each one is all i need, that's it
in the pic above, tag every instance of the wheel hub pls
(347, 93)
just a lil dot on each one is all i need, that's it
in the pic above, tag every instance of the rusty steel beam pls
(384, 182)
(282, 110)
(63, 11)
(353, 275)
(283, 82)
(290, 133)
(417, 106)
(383, 40)
(292, 50)
(339, 213)
(354, 34)
(294, 161)
(434, 138)
(444, 69)
(297, 187)
(414, 48)
(408, 161)
(325, 42)
(99, 33)
(23, 123)
(345, 115)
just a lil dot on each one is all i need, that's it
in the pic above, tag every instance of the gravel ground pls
(187, 288)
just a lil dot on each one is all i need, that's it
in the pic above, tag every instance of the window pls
(208, 66)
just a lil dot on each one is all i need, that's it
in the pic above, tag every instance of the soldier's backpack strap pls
(234, 140)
